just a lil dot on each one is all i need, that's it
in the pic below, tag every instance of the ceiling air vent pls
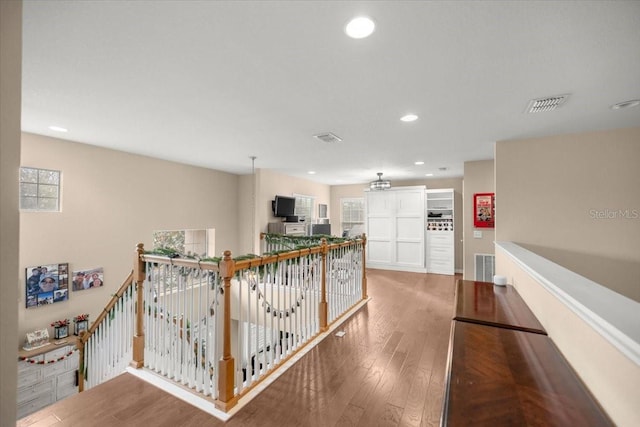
(328, 137)
(549, 103)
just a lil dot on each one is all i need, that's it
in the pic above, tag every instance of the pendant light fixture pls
(380, 184)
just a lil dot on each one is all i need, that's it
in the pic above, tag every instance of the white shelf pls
(440, 251)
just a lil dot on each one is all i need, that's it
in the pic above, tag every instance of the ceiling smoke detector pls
(328, 137)
(548, 103)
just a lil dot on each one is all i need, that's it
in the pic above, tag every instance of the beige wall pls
(553, 190)
(10, 104)
(478, 178)
(357, 190)
(269, 184)
(112, 200)
(248, 231)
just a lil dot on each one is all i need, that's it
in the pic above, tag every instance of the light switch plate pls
(477, 234)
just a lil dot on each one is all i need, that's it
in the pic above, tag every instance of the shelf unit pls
(440, 253)
(47, 375)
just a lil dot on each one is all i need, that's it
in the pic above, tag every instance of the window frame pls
(38, 197)
(351, 223)
(189, 243)
(312, 199)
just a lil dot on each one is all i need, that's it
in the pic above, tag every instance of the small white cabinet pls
(440, 235)
(289, 228)
(395, 228)
(47, 375)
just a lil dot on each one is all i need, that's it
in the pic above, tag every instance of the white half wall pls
(596, 329)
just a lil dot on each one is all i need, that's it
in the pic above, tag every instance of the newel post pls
(138, 277)
(80, 346)
(226, 365)
(364, 266)
(322, 309)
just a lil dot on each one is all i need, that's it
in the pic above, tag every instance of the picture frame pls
(484, 210)
(87, 278)
(61, 332)
(46, 284)
(79, 326)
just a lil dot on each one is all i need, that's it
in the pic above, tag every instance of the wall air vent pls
(485, 267)
(548, 103)
(328, 137)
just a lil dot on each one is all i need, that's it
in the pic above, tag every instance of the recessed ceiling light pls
(58, 129)
(419, 163)
(312, 172)
(626, 104)
(428, 174)
(409, 118)
(360, 27)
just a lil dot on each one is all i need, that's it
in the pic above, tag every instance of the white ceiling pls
(213, 83)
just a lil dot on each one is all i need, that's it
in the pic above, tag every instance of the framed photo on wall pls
(484, 210)
(46, 284)
(88, 278)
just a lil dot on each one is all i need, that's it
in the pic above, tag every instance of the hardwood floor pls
(388, 370)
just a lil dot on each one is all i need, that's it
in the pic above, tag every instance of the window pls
(186, 242)
(39, 190)
(352, 215)
(304, 207)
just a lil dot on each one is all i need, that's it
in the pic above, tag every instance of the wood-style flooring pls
(388, 370)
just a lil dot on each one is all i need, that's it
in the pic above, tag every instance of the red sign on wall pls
(484, 210)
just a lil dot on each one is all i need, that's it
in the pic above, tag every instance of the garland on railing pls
(292, 243)
(268, 306)
(46, 362)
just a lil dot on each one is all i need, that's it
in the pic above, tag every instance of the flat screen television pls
(284, 206)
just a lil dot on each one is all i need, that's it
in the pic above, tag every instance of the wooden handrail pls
(252, 262)
(180, 262)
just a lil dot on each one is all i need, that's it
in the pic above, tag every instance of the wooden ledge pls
(500, 306)
(505, 377)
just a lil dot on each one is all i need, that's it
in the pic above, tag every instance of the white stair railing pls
(275, 312)
(182, 321)
(219, 327)
(106, 348)
(344, 278)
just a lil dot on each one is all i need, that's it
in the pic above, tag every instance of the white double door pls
(396, 228)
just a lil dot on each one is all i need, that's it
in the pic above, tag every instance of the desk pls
(506, 377)
(500, 306)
